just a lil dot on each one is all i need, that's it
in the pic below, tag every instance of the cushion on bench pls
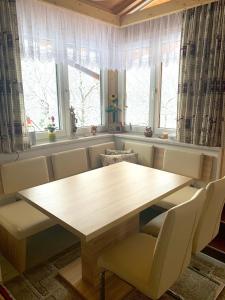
(178, 197)
(183, 163)
(145, 152)
(22, 174)
(95, 151)
(22, 220)
(68, 163)
(153, 227)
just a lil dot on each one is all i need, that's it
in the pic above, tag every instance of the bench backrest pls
(68, 163)
(19, 175)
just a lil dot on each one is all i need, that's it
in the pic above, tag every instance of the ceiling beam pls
(141, 6)
(160, 10)
(125, 6)
(88, 10)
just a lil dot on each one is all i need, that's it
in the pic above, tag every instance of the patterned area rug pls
(43, 282)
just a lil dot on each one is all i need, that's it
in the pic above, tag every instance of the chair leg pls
(102, 286)
(174, 295)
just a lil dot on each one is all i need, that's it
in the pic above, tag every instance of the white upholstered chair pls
(183, 163)
(68, 163)
(95, 151)
(150, 264)
(19, 220)
(208, 226)
(145, 152)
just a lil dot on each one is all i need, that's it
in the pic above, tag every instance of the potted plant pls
(51, 129)
(114, 109)
(31, 131)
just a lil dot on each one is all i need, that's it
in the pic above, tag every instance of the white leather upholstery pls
(209, 222)
(178, 197)
(183, 163)
(68, 163)
(22, 220)
(95, 151)
(23, 174)
(153, 227)
(153, 265)
(145, 152)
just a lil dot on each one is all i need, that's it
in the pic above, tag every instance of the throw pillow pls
(113, 159)
(116, 152)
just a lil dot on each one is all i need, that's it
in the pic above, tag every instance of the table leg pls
(84, 277)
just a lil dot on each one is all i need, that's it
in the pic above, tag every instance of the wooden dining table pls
(101, 207)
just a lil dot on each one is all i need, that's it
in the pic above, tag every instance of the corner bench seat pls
(178, 197)
(185, 194)
(22, 220)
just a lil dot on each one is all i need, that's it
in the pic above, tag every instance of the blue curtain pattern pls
(13, 134)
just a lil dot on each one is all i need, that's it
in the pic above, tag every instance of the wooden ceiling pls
(124, 7)
(123, 13)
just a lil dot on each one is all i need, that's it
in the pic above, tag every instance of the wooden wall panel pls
(158, 158)
(207, 167)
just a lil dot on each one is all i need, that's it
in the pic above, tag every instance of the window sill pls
(157, 140)
(66, 141)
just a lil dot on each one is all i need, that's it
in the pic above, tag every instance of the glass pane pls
(40, 93)
(169, 88)
(85, 95)
(138, 96)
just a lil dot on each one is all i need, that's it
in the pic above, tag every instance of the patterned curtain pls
(201, 96)
(13, 134)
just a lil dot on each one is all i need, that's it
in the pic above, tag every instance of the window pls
(46, 87)
(137, 96)
(145, 107)
(40, 93)
(168, 101)
(85, 94)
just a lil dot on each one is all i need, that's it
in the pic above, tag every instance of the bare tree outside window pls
(138, 96)
(40, 92)
(169, 88)
(85, 94)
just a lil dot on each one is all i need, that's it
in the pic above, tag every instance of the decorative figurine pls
(148, 132)
(93, 129)
(73, 121)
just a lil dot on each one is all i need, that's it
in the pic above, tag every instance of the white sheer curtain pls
(50, 33)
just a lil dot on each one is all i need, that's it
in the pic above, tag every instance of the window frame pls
(154, 101)
(63, 97)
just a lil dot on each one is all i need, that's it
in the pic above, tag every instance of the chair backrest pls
(68, 163)
(183, 163)
(95, 151)
(19, 175)
(209, 223)
(174, 244)
(145, 152)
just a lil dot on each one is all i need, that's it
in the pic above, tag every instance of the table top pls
(91, 203)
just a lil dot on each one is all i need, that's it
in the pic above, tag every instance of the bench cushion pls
(145, 152)
(68, 163)
(183, 163)
(34, 172)
(178, 197)
(22, 220)
(95, 151)
(153, 227)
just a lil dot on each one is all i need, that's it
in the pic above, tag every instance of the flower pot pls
(51, 136)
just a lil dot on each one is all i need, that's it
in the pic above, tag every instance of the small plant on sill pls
(51, 129)
(51, 126)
